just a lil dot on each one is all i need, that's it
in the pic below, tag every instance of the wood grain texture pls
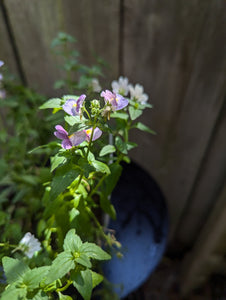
(35, 23)
(208, 255)
(6, 51)
(175, 49)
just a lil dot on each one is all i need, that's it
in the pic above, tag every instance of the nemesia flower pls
(117, 101)
(96, 134)
(68, 141)
(138, 94)
(95, 85)
(73, 107)
(29, 244)
(1, 63)
(121, 86)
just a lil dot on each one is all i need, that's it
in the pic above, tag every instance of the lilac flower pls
(117, 101)
(138, 94)
(121, 86)
(29, 244)
(1, 63)
(96, 134)
(69, 141)
(73, 107)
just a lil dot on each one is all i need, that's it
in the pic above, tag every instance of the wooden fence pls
(176, 50)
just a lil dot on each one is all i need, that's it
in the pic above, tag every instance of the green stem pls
(8, 245)
(69, 282)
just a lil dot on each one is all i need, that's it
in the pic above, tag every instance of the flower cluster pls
(123, 87)
(2, 91)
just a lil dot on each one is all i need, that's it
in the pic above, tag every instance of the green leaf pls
(100, 167)
(107, 150)
(83, 259)
(143, 127)
(61, 265)
(96, 278)
(14, 293)
(131, 145)
(32, 278)
(134, 112)
(56, 161)
(52, 103)
(107, 206)
(111, 180)
(94, 251)
(72, 120)
(64, 297)
(14, 269)
(72, 241)
(117, 115)
(64, 176)
(82, 281)
(121, 146)
(40, 296)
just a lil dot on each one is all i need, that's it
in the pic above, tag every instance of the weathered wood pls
(35, 23)
(208, 255)
(207, 185)
(6, 51)
(175, 49)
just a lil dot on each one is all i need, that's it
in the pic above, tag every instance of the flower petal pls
(77, 137)
(121, 102)
(61, 133)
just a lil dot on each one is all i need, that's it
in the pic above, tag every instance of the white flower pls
(121, 86)
(1, 63)
(95, 85)
(138, 94)
(29, 244)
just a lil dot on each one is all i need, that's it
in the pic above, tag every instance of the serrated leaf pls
(94, 251)
(107, 150)
(82, 281)
(134, 112)
(64, 176)
(61, 265)
(100, 166)
(32, 278)
(14, 269)
(72, 241)
(52, 103)
(143, 127)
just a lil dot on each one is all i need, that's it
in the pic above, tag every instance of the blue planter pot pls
(141, 227)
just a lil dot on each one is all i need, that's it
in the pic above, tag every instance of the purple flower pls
(68, 141)
(1, 63)
(73, 107)
(117, 101)
(96, 134)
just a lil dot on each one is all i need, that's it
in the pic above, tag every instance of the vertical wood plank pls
(36, 22)
(6, 50)
(175, 49)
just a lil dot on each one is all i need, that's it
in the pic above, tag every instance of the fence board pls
(6, 51)
(35, 23)
(208, 185)
(175, 49)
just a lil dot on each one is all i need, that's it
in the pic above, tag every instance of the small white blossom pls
(1, 63)
(95, 85)
(138, 94)
(121, 86)
(29, 244)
